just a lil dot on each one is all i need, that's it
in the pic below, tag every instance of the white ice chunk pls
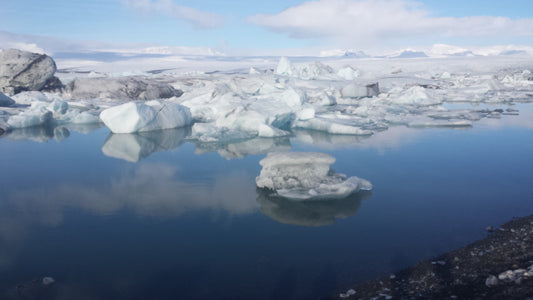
(348, 73)
(415, 95)
(445, 75)
(312, 71)
(32, 96)
(285, 67)
(331, 126)
(306, 114)
(74, 116)
(48, 280)
(30, 118)
(353, 90)
(145, 116)
(254, 71)
(306, 176)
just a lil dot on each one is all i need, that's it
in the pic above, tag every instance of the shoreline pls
(499, 266)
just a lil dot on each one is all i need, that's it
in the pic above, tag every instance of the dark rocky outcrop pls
(24, 71)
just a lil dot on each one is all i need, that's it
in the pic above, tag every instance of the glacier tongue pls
(306, 176)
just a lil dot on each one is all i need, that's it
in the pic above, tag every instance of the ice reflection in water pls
(134, 147)
(309, 213)
(43, 134)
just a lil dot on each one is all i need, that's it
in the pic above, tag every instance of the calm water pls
(156, 217)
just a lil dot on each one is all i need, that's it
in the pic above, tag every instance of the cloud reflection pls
(149, 190)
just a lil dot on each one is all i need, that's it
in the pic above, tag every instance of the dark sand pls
(463, 273)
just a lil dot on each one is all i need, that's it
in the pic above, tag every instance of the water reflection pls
(147, 190)
(45, 133)
(241, 149)
(309, 213)
(137, 146)
(40, 134)
(324, 138)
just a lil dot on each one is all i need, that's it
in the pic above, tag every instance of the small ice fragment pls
(48, 280)
(349, 293)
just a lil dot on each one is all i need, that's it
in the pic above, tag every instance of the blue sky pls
(274, 24)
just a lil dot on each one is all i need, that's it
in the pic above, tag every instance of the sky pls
(245, 26)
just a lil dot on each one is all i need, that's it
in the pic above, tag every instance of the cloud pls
(200, 19)
(370, 21)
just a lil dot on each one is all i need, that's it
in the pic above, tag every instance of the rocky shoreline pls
(499, 266)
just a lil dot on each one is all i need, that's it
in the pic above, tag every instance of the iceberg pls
(36, 116)
(306, 176)
(145, 116)
(348, 73)
(57, 111)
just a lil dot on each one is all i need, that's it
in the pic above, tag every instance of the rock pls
(491, 281)
(24, 71)
(121, 88)
(372, 90)
(490, 228)
(5, 100)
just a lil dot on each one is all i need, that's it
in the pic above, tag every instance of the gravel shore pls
(499, 266)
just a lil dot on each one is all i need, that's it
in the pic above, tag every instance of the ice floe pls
(342, 96)
(306, 176)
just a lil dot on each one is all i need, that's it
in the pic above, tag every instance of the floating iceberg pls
(57, 111)
(145, 116)
(306, 176)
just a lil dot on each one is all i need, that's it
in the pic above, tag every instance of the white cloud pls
(199, 19)
(370, 21)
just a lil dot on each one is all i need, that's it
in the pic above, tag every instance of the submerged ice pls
(306, 176)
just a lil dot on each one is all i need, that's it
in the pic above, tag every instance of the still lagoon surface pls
(155, 216)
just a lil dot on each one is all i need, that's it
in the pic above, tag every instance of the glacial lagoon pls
(157, 216)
